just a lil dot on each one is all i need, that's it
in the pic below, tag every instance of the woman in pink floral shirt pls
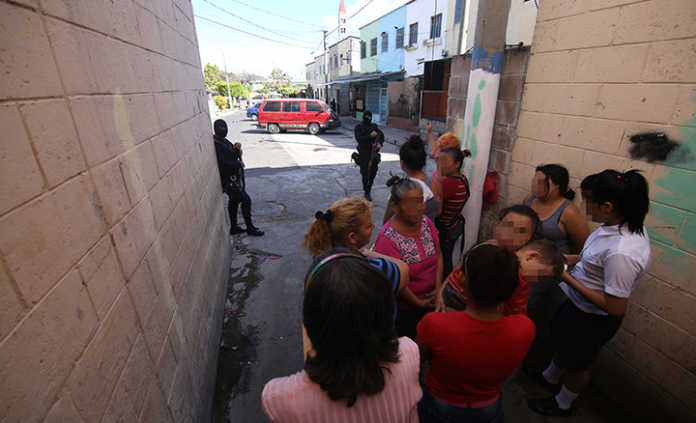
(410, 236)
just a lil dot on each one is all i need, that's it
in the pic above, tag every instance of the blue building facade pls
(382, 60)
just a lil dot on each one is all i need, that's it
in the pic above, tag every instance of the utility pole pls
(227, 77)
(326, 71)
(482, 97)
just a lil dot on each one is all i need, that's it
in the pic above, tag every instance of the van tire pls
(314, 128)
(273, 128)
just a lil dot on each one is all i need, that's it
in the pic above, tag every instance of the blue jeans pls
(432, 410)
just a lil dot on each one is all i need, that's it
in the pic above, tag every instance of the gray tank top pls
(550, 229)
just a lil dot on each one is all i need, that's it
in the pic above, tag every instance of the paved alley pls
(289, 177)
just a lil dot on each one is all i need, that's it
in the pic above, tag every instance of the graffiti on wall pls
(476, 137)
(657, 147)
(675, 202)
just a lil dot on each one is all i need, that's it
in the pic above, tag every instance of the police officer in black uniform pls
(370, 140)
(231, 166)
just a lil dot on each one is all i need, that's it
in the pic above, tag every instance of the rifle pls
(373, 150)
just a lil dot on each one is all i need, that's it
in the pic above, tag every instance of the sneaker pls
(254, 231)
(547, 407)
(236, 229)
(368, 197)
(553, 388)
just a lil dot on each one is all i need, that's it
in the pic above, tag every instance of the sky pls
(296, 23)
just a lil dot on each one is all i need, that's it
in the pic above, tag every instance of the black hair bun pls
(395, 179)
(570, 194)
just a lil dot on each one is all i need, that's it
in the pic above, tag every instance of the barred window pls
(385, 42)
(413, 34)
(399, 38)
(373, 47)
(435, 25)
(363, 49)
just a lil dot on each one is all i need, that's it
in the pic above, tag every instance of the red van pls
(297, 113)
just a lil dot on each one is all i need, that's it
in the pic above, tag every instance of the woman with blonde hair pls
(348, 223)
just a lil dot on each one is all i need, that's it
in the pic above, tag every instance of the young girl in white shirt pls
(613, 259)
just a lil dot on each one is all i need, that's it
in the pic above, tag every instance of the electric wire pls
(252, 34)
(275, 14)
(253, 23)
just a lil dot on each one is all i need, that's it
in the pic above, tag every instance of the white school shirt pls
(612, 260)
(427, 192)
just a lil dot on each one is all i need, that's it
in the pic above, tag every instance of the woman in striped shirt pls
(454, 188)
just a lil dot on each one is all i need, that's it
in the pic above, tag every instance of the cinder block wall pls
(601, 71)
(113, 246)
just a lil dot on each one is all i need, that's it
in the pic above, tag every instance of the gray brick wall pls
(113, 245)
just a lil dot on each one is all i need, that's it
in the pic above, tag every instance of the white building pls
(425, 34)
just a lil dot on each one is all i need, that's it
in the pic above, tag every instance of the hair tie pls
(327, 216)
(618, 177)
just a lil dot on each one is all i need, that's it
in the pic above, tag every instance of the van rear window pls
(291, 106)
(272, 106)
(312, 106)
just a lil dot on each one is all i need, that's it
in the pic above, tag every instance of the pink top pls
(419, 252)
(296, 398)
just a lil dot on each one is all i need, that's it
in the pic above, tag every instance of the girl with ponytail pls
(613, 259)
(348, 224)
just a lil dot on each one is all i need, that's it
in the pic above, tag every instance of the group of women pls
(376, 320)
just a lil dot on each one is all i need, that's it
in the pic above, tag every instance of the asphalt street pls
(289, 177)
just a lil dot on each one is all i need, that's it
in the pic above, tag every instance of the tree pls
(237, 90)
(279, 76)
(212, 75)
(221, 102)
(288, 91)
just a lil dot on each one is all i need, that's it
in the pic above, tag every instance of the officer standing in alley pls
(370, 140)
(231, 166)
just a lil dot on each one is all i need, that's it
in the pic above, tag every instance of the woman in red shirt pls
(473, 351)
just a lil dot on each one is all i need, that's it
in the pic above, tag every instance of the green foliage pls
(212, 75)
(288, 91)
(221, 102)
(237, 90)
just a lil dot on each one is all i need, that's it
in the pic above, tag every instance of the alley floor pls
(289, 177)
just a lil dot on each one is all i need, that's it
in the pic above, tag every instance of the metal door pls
(383, 104)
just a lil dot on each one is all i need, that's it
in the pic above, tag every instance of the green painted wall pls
(367, 33)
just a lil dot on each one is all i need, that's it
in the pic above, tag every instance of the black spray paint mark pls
(657, 147)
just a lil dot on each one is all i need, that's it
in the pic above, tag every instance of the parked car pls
(308, 114)
(253, 111)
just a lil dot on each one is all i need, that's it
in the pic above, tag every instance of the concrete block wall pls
(113, 238)
(601, 71)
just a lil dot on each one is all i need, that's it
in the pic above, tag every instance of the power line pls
(252, 23)
(251, 33)
(275, 14)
